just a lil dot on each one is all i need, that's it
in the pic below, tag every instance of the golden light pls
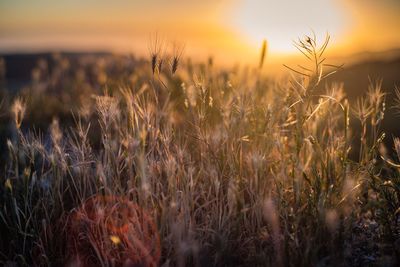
(282, 21)
(232, 29)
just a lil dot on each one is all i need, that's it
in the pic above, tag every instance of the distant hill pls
(356, 77)
(19, 66)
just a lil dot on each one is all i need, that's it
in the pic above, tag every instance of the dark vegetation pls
(111, 160)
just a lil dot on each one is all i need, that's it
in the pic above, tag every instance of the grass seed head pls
(177, 51)
(18, 109)
(263, 53)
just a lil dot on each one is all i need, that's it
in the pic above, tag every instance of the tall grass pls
(231, 168)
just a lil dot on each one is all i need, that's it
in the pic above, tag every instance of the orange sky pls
(228, 29)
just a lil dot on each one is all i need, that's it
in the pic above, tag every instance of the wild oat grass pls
(232, 168)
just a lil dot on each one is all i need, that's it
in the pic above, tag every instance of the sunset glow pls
(281, 22)
(226, 27)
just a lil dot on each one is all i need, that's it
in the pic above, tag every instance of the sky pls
(227, 28)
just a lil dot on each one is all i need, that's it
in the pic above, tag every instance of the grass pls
(222, 167)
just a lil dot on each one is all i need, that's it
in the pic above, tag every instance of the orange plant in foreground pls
(113, 231)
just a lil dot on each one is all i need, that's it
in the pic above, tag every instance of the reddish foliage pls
(112, 230)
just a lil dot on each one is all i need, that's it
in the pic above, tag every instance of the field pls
(112, 160)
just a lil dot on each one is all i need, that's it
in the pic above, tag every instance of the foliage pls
(233, 168)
